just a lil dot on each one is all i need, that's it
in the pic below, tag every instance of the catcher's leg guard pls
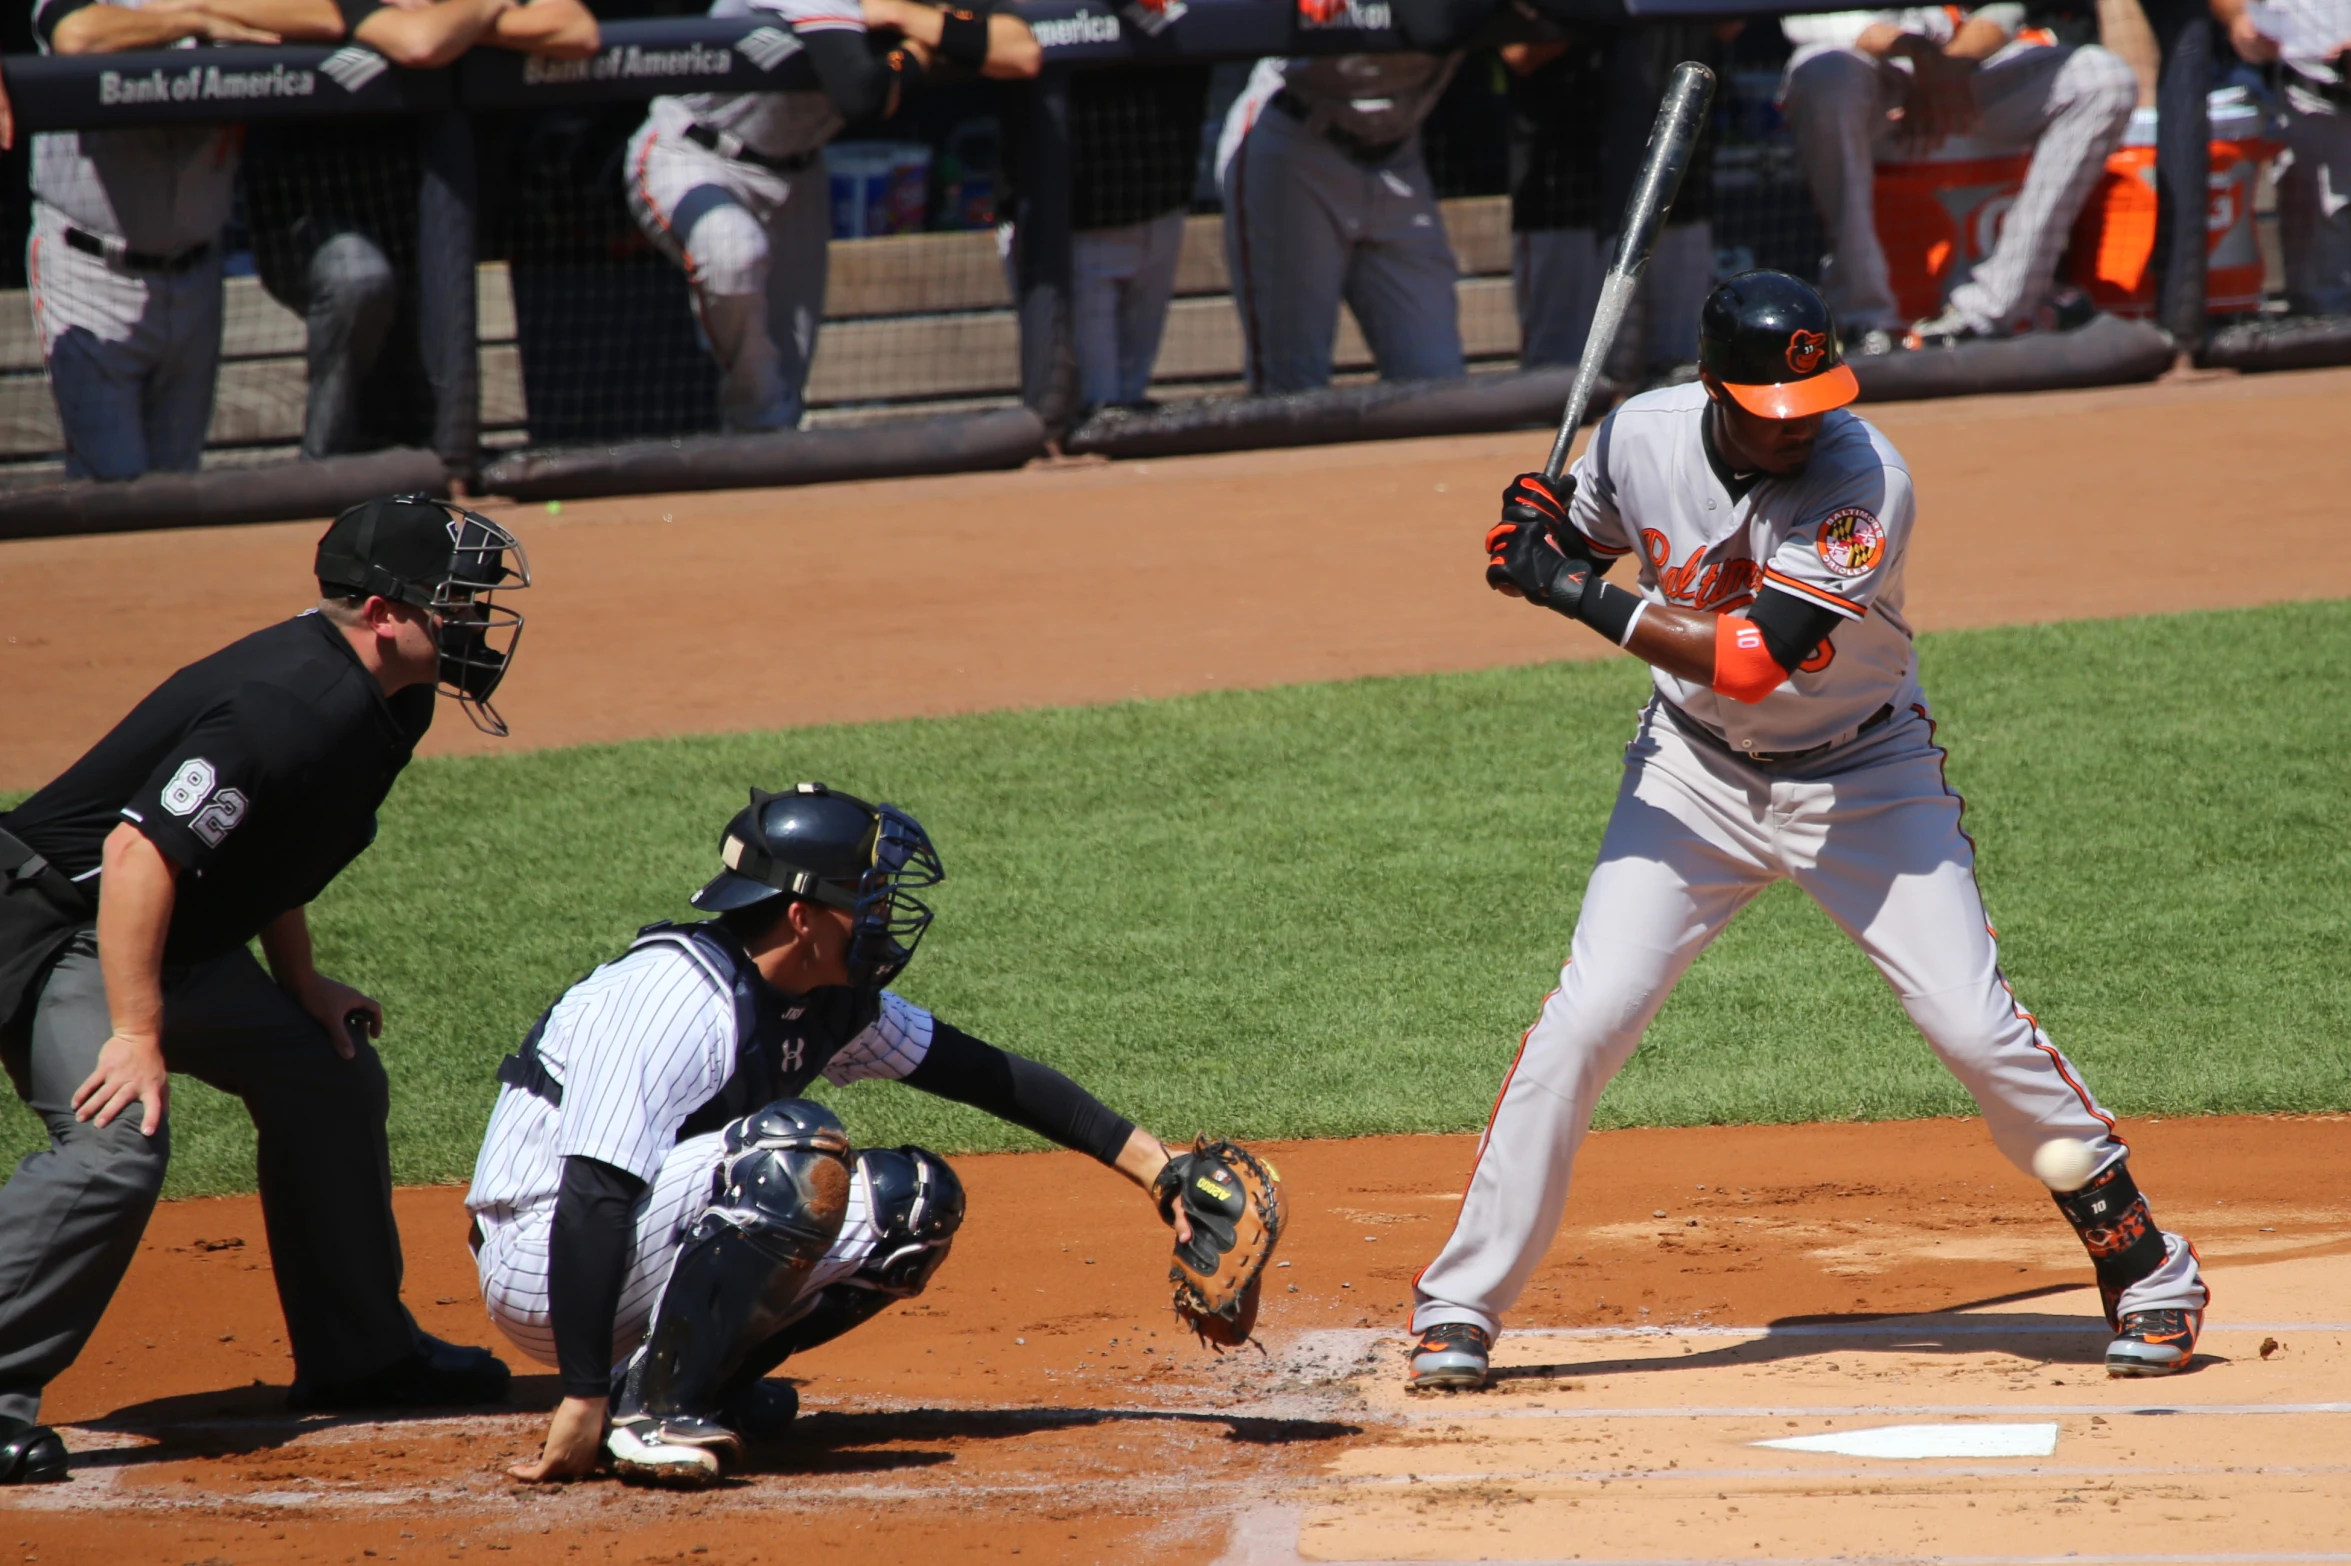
(917, 1207)
(777, 1201)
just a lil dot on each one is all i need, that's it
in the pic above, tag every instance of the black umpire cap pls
(1769, 339)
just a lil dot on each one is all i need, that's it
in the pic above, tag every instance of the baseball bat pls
(1663, 162)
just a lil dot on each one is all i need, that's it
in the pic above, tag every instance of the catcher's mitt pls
(1233, 1200)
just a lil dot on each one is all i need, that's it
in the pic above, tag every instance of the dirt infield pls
(1039, 1401)
(1093, 583)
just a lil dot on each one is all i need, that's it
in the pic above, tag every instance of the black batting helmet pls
(832, 848)
(1769, 339)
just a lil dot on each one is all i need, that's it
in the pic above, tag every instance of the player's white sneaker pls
(1450, 1357)
(2153, 1343)
(672, 1453)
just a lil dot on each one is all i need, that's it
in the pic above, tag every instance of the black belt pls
(1765, 758)
(22, 865)
(90, 244)
(1368, 153)
(727, 146)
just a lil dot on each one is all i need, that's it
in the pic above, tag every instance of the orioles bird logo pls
(1805, 350)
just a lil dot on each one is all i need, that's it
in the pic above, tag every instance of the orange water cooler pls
(2114, 239)
(1938, 218)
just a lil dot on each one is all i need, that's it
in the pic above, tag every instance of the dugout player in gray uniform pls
(129, 887)
(661, 1216)
(1327, 197)
(732, 186)
(2311, 57)
(123, 259)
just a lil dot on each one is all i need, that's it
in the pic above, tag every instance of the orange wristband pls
(1744, 669)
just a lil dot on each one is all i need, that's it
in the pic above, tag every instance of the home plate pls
(2037, 1440)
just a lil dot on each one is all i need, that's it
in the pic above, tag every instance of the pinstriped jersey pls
(1833, 535)
(638, 1046)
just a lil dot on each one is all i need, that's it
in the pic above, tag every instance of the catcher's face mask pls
(890, 919)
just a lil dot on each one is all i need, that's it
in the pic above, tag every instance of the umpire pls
(213, 814)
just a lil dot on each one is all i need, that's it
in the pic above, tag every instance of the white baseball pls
(2064, 1164)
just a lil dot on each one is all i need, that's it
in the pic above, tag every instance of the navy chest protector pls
(781, 1041)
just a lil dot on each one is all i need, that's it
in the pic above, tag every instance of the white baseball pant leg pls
(513, 1263)
(2314, 204)
(1121, 281)
(1694, 837)
(132, 356)
(752, 243)
(2071, 107)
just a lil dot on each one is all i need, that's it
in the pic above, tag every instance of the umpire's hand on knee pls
(575, 1439)
(344, 1012)
(130, 1071)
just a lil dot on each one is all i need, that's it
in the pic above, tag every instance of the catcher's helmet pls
(436, 556)
(1769, 339)
(832, 848)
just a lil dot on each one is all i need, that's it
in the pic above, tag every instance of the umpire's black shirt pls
(258, 770)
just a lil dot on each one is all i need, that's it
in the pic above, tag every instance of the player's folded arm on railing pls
(422, 37)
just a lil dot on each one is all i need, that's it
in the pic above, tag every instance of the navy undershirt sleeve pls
(850, 70)
(1010, 1087)
(1791, 627)
(587, 1263)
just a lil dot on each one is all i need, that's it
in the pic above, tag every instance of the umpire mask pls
(835, 849)
(440, 557)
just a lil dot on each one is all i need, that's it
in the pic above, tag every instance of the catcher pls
(659, 1215)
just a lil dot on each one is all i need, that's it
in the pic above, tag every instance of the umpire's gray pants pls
(1307, 226)
(72, 1214)
(2314, 204)
(2068, 107)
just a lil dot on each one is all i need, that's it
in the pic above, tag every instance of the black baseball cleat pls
(1450, 1357)
(30, 1454)
(679, 1452)
(436, 1375)
(763, 1411)
(2153, 1343)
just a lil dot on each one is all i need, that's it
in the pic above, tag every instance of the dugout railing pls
(937, 352)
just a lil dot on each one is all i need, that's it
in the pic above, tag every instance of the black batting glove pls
(1523, 557)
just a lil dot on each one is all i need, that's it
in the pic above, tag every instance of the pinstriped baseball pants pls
(2069, 107)
(1872, 835)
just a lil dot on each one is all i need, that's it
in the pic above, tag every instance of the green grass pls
(1329, 910)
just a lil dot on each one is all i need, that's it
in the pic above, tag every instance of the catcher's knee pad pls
(777, 1201)
(2116, 1229)
(917, 1207)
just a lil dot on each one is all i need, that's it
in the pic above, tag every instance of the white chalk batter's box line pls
(1918, 1560)
(1903, 1327)
(1909, 1471)
(1449, 1414)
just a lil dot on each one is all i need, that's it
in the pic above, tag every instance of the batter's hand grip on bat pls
(1680, 116)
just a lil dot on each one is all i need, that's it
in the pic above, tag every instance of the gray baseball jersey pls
(774, 124)
(1835, 535)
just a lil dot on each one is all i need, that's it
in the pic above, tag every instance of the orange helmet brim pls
(1831, 388)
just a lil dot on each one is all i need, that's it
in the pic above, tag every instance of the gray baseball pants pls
(1871, 833)
(1306, 226)
(1555, 276)
(132, 355)
(1121, 280)
(752, 243)
(2068, 107)
(2314, 204)
(72, 1214)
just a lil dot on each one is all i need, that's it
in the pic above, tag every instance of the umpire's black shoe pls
(30, 1454)
(437, 1375)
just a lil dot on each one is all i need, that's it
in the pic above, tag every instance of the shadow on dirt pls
(2047, 1339)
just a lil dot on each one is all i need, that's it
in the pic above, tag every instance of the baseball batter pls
(1327, 197)
(661, 1216)
(732, 186)
(1787, 738)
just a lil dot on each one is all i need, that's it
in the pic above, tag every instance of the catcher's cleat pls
(2153, 1343)
(679, 1453)
(1450, 1357)
(30, 1454)
(436, 1375)
(764, 1410)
